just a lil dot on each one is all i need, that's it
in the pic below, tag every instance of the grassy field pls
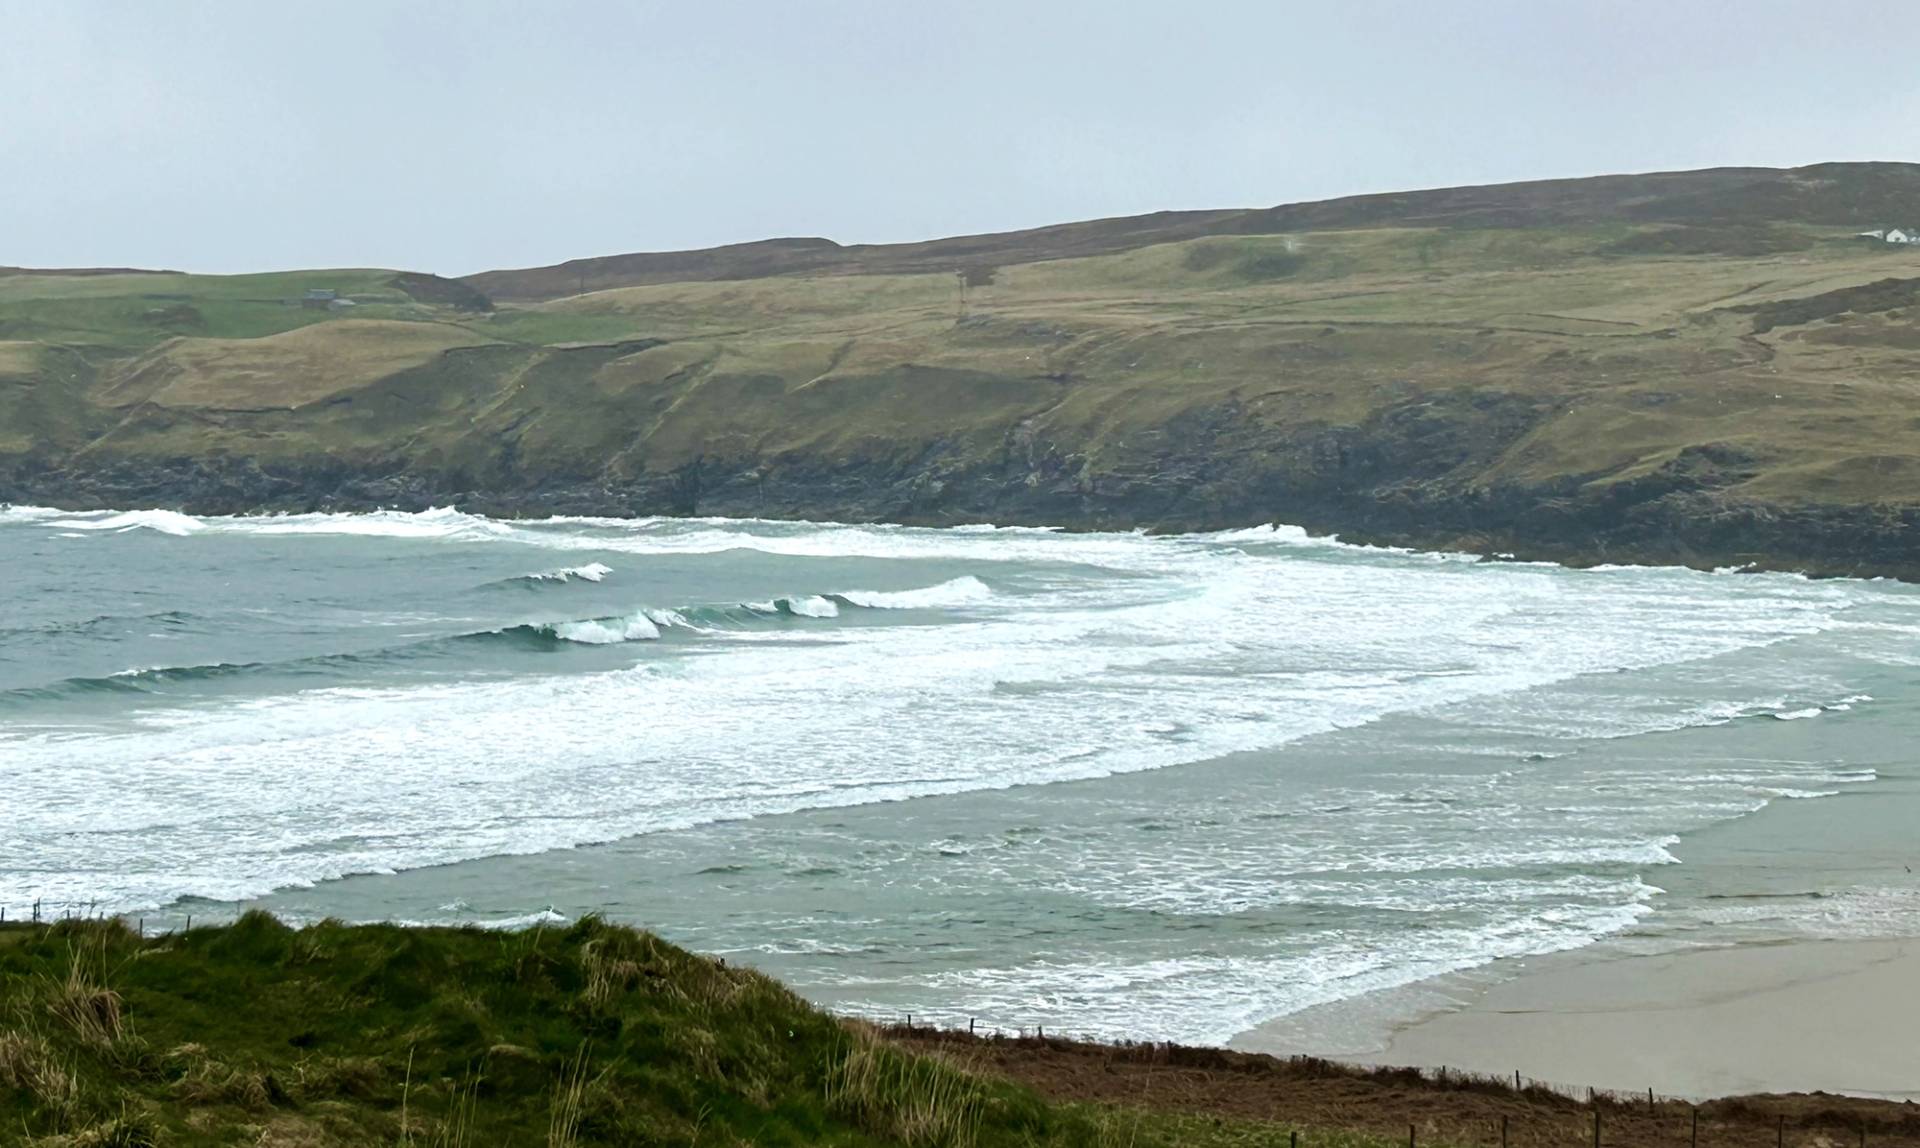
(260, 1034)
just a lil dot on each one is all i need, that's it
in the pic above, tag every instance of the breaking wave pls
(591, 572)
(642, 625)
(163, 521)
(963, 591)
(648, 624)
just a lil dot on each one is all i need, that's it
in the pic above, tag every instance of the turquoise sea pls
(1113, 784)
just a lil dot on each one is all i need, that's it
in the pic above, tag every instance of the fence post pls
(1649, 1099)
(1694, 1139)
(1503, 1132)
(970, 1026)
(1293, 1138)
(1410, 1137)
(1596, 1125)
(1516, 1080)
(1780, 1132)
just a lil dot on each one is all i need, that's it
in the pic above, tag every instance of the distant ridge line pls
(1838, 194)
(10, 271)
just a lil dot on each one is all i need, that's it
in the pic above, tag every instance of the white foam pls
(1212, 997)
(441, 522)
(962, 591)
(163, 521)
(812, 606)
(511, 924)
(591, 572)
(26, 514)
(606, 631)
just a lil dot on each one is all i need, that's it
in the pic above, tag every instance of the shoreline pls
(1849, 545)
(1762, 1017)
(1781, 955)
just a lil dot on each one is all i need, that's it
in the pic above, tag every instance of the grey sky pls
(460, 136)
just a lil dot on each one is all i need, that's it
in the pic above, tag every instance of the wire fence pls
(1606, 1117)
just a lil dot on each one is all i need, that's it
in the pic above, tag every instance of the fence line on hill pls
(912, 1024)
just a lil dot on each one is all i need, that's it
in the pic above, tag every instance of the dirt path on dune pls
(1454, 1109)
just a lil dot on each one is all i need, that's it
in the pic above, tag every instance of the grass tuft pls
(83, 1002)
(28, 1064)
(920, 1101)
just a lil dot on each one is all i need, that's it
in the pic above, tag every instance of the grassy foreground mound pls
(261, 1034)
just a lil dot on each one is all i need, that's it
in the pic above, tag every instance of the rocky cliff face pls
(1393, 480)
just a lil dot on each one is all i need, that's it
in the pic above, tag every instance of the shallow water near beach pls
(1127, 786)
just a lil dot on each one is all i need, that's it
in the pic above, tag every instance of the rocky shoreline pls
(1670, 522)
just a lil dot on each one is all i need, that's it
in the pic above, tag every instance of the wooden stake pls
(1596, 1126)
(1503, 1132)
(1694, 1140)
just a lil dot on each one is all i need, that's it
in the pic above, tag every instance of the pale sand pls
(1834, 1016)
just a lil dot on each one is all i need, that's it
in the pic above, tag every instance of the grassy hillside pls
(1710, 201)
(259, 1034)
(1699, 367)
(337, 1036)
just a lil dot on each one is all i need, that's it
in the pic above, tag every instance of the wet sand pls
(1834, 1016)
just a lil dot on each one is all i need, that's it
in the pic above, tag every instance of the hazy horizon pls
(219, 137)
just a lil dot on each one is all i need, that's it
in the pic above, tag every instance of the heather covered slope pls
(1706, 367)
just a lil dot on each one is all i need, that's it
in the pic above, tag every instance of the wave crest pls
(960, 591)
(646, 624)
(591, 572)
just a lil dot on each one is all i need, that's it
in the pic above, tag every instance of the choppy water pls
(1106, 782)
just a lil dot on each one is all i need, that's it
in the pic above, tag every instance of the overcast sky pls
(454, 137)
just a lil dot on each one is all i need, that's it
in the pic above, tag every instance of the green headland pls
(1712, 367)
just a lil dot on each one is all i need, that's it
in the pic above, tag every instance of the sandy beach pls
(1834, 1016)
